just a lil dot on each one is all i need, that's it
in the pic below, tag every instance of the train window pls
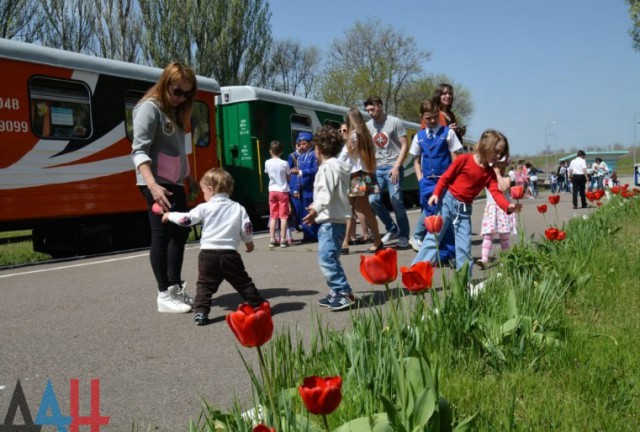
(131, 98)
(60, 108)
(300, 123)
(200, 124)
(334, 124)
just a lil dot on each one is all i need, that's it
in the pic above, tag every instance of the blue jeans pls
(383, 177)
(330, 238)
(454, 213)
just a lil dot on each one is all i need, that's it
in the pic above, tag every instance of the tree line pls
(231, 41)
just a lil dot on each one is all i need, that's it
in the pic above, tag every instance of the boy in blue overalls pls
(434, 148)
(307, 169)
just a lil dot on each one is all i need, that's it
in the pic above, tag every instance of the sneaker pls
(415, 243)
(403, 243)
(179, 291)
(283, 245)
(341, 302)
(201, 318)
(390, 235)
(170, 304)
(326, 302)
(272, 244)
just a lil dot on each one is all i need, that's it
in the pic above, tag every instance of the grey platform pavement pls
(96, 319)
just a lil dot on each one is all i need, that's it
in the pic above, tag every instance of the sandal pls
(344, 251)
(374, 249)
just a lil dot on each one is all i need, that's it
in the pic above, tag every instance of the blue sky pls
(526, 63)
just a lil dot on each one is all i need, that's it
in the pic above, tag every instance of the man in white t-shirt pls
(578, 175)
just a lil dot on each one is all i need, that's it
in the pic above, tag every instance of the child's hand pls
(515, 208)
(433, 200)
(311, 217)
(165, 217)
(249, 246)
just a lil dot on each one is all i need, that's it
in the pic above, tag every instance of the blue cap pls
(304, 136)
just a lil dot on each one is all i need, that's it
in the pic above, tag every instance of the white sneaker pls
(403, 243)
(390, 235)
(179, 291)
(415, 244)
(170, 304)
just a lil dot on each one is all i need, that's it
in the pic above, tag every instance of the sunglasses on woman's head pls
(178, 92)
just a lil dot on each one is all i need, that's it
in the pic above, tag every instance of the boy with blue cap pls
(307, 169)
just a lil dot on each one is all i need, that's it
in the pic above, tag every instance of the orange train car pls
(65, 145)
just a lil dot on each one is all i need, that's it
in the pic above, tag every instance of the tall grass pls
(549, 344)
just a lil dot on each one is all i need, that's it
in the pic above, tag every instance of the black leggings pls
(167, 240)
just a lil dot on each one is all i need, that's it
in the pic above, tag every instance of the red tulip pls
(599, 194)
(263, 428)
(381, 268)
(561, 235)
(433, 224)
(321, 396)
(599, 203)
(551, 233)
(517, 192)
(418, 277)
(591, 196)
(615, 190)
(542, 208)
(252, 327)
(554, 199)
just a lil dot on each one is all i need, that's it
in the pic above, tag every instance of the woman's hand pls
(161, 196)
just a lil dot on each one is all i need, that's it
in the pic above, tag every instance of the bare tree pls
(375, 59)
(17, 19)
(67, 24)
(119, 30)
(293, 67)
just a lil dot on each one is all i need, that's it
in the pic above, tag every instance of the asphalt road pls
(97, 319)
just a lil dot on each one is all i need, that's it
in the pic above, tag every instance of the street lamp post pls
(546, 146)
(555, 145)
(635, 144)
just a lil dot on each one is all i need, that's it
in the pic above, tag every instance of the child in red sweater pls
(467, 176)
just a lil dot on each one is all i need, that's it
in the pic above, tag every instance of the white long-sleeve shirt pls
(331, 192)
(225, 223)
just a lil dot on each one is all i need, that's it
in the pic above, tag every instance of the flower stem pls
(326, 423)
(267, 386)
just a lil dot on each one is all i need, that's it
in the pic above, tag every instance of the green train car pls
(249, 118)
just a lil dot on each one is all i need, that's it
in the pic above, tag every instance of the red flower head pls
(599, 194)
(554, 199)
(381, 268)
(561, 235)
(321, 396)
(624, 193)
(517, 192)
(418, 277)
(615, 190)
(263, 428)
(433, 224)
(591, 196)
(551, 233)
(542, 208)
(599, 203)
(252, 327)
